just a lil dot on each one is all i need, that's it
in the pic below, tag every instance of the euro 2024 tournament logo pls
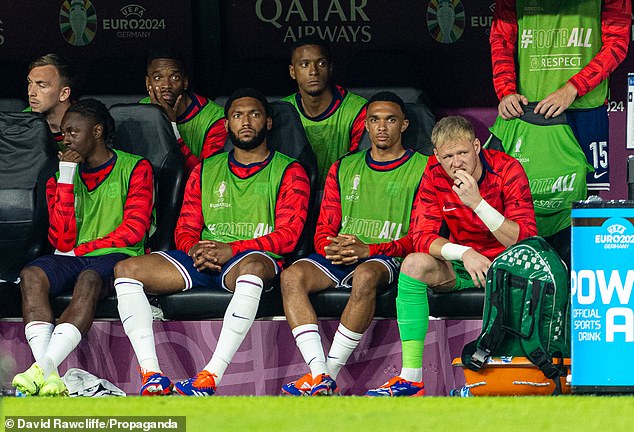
(222, 188)
(446, 20)
(617, 237)
(78, 22)
(354, 190)
(220, 192)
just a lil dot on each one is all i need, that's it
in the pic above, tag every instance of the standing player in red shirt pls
(242, 212)
(483, 198)
(560, 55)
(100, 206)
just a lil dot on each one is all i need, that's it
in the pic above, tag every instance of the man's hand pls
(210, 255)
(203, 255)
(477, 265)
(222, 252)
(511, 106)
(172, 112)
(346, 249)
(557, 102)
(69, 155)
(466, 187)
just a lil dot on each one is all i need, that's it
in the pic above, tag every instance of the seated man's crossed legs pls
(51, 341)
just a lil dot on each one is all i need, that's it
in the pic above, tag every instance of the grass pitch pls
(535, 414)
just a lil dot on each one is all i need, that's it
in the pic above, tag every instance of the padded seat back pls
(12, 105)
(408, 94)
(110, 100)
(288, 137)
(27, 161)
(222, 99)
(145, 130)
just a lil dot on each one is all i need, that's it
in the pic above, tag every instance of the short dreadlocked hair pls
(97, 111)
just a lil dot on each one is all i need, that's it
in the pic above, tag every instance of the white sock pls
(238, 319)
(64, 340)
(344, 342)
(308, 341)
(136, 316)
(412, 374)
(38, 334)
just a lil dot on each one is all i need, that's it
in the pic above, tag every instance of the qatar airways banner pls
(92, 29)
(353, 24)
(448, 39)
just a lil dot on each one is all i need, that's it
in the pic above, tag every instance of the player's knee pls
(30, 277)
(417, 265)
(34, 291)
(127, 268)
(88, 286)
(257, 267)
(292, 280)
(365, 283)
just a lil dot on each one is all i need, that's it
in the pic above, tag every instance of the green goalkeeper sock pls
(412, 311)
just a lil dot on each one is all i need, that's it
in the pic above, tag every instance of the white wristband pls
(492, 218)
(66, 172)
(176, 132)
(452, 251)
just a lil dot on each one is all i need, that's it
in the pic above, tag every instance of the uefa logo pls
(220, 192)
(354, 190)
(222, 188)
(446, 20)
(618, 236)
(78, 22)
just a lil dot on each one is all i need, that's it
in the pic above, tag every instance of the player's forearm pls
(398, 248)
(279, 242)
(62, 230)
(616, 20)
(123, 236)
(327, 226)
(508, 233)
(503, 40)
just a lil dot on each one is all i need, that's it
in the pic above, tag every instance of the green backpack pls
(526, 310)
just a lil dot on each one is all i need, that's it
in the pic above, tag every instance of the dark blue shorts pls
(205, 279)
(592, 130)
(62, 270)
(342, 274)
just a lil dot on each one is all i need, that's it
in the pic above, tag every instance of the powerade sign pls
(602, 314)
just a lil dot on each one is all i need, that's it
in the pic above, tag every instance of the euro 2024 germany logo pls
(446, 20)
(78, 22)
